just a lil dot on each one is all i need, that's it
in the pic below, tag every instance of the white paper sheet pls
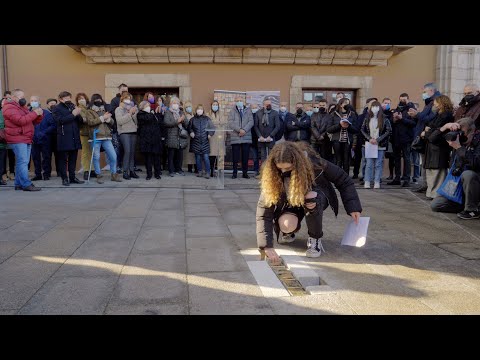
(371, 151)
(356, 235)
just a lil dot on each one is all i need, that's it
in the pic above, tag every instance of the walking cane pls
(93, 150)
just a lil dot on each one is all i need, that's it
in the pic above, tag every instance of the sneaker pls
(100, 179)
(414, 180)
(31, 188)
(376, 185)
(181, 173)
(287, 238)
(314, 247)
(467, 215)
(366, 185)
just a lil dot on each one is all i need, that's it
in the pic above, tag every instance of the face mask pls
(215, 108)
(468, 98)
(175, 106)
(127, 101)
(98, 102)
(240, 104)
(316, 110)
(188, 109)
(199, 112)
(22, 102)
(268, 107)
(387, 107)
(346, 107)
(82, 102)
(309, 112)
(402, 103)
(69, 103)
(254, 111)
(323, 110)
(283, 109)
(34, 104)
(286, 174)
(147, 109)
(425, 96)
(151, 100)
(375, 110)
(51, 107)
(299, 111)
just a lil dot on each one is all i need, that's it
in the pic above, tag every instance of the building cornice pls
(361, 55)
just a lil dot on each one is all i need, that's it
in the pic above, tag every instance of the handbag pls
(451, 187)
(418, 145)
(183, 133)
(3, 136)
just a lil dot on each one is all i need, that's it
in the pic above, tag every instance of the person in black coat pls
(68, 119)
(342, 132)
(296, 183)
(266, 126)
(402, 138)
(150, 138)
(321, 120)
(200, 144)
(298, 127)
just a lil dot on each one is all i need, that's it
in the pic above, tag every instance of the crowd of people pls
(166, 133)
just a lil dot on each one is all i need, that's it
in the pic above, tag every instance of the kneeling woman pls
(295, 183)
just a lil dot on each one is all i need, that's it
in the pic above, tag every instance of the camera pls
(452, 135)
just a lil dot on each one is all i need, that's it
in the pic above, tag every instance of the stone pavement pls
(99, 250)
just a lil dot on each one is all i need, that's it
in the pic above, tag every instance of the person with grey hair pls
(422, 118)
(240, 120)
(177, 136)
(466, 157)
(470, 104)
(149, 138)
(126, 116)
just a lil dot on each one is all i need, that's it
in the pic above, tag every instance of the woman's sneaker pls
(314, 247)
(286, 239)
(467, 215)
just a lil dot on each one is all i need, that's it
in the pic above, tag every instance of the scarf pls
(100, 110)
(176, 116)
(265, 121)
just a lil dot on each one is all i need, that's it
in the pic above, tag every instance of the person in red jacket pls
(19, 129)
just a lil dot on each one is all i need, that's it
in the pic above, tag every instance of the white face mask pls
(283, 109)
(175, 106)
(82, 102)
(375, 110)
(147, 109)
(254, 110)
(199, 112)
(126, 101)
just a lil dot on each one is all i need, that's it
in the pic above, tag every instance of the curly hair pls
(445, 104)
(301, 178)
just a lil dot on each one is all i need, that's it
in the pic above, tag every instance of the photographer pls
(464, 138)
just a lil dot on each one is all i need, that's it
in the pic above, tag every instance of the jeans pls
(22, 158)
(416, 163)
(398, 151)
(128, 143)
(111, 155)
(471, 192)
(205, 158)
(377, 164)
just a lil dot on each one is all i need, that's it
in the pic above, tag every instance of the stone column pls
(457, 65)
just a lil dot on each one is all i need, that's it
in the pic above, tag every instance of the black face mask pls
(466, 99)
(98, 102)
(299, 111)
(322, 110)
(51, 107)
(286, 174)
(269, 107)
(22, 102)
(402, 103)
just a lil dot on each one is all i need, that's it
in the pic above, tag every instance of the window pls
(310, 96)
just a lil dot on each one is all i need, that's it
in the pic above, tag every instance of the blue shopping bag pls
(451, 187)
